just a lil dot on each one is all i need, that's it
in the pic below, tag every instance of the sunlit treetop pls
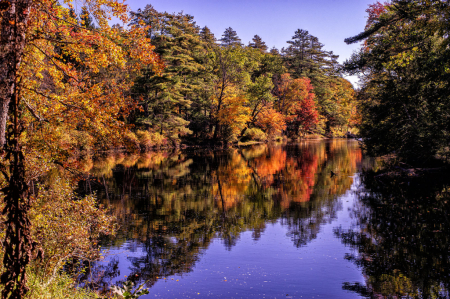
(77, 75)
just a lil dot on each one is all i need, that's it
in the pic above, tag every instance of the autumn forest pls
(219, 90)
(82, 85)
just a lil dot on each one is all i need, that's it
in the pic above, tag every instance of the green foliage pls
(61, 287)
(192, 97)
(230, 38)
(167, 98)
(404, 98)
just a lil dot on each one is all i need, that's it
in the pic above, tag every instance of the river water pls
(272, 221)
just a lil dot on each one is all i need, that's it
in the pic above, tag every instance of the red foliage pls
(296, 103)
(307, 116)
(374, 11)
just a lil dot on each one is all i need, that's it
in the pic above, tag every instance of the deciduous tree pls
(41, 88)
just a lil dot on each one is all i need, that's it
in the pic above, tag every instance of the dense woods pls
(72, 84)
(217, 89)
(404, 63)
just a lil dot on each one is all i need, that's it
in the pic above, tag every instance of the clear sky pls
(276, 20)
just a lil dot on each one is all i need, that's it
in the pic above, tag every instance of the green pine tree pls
(230, 38)
(258, 43)
(167, 99)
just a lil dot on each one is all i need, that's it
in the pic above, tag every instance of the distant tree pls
(296, 102)
(297, 58)
(207, 36)
(233, 66)
(258, 43)
(274, 51)
(230, 38)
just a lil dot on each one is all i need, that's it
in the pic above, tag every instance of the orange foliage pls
(271, 121)
(233, 113)
(77, 78)
(269, 164)
(299, 179)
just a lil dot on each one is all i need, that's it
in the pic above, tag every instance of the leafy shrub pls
(255, 134)
(148, 140)
(158, 139)
(145, 139)
(131, 141)
(67, 227)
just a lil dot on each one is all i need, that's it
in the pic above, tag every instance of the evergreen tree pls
(296, 55)
(258, 43)
(274, 51)
(230, 38)
(207, 36)
(167, 99)
(306, 58)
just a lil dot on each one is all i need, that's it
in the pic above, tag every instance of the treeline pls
(221, 90)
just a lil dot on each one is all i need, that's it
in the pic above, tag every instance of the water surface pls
(269, 221)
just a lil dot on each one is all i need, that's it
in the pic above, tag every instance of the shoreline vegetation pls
(79, 84)
(209, 144)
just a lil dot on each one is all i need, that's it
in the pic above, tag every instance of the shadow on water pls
(172, 205)
(402, 237)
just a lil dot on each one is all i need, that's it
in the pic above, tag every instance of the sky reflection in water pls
(267, 221)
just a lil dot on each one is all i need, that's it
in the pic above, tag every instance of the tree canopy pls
(404, 67)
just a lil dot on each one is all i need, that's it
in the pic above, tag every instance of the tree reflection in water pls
(173, 204)
(402, 234)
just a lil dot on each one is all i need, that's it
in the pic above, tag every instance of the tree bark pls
(18, 244)
(12, 43)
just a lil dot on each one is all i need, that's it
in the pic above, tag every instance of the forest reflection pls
(402, 237)
(172, 205)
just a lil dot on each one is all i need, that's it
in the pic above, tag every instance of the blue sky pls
(276, 21)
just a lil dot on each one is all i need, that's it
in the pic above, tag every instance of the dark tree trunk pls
(217, 130)
(18, 245)
(12, 43)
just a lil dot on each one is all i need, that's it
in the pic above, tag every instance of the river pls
(271, 221)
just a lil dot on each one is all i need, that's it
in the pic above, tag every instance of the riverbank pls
(211, 144)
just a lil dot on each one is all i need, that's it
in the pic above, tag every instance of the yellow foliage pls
(76, 78)
(148, 139)
(234, 114)
(255, 134)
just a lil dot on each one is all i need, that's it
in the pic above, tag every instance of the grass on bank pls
(61, 287)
